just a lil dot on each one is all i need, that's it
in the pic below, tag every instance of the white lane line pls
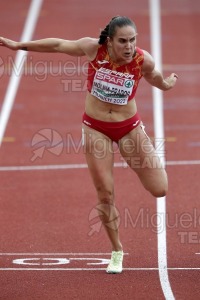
(183, 67)
(94, 269)
(155, 27)
(54, 254)
(84, 166)
(68, 269)
(182, 162)
(14, 81)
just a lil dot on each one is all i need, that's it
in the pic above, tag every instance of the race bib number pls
(112, 86)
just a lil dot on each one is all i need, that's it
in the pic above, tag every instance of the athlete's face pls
(122, 45)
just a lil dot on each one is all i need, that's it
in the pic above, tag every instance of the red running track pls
(47, 243)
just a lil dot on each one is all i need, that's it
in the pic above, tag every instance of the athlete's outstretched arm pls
(154, 77)
(75, 48)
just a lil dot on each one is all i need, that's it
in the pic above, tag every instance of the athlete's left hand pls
(171, 80)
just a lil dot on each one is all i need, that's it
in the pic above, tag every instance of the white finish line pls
(95, 269)
(53, 261)
(45, 262)
(54, 254)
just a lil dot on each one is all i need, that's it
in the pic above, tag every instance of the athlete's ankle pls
(117, 248)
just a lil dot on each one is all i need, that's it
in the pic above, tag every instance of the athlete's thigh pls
(98, 150)
(140, 154)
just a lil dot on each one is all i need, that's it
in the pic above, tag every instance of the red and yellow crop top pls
(112, 83)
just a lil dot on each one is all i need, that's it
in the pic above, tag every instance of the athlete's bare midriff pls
(108, 112)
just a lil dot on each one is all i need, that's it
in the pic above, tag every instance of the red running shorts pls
(114, 130)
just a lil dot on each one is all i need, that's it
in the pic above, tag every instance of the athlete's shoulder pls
(149, 63)
(89, 46)
(88, 41)
(139, 50)
(138, 57)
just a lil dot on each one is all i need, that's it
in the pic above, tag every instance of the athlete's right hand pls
(9, 43)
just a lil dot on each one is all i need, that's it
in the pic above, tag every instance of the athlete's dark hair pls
(110, 29)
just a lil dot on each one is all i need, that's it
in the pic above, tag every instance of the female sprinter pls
(115, 68)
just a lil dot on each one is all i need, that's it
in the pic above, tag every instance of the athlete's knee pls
(159, 192)
(158, 186)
